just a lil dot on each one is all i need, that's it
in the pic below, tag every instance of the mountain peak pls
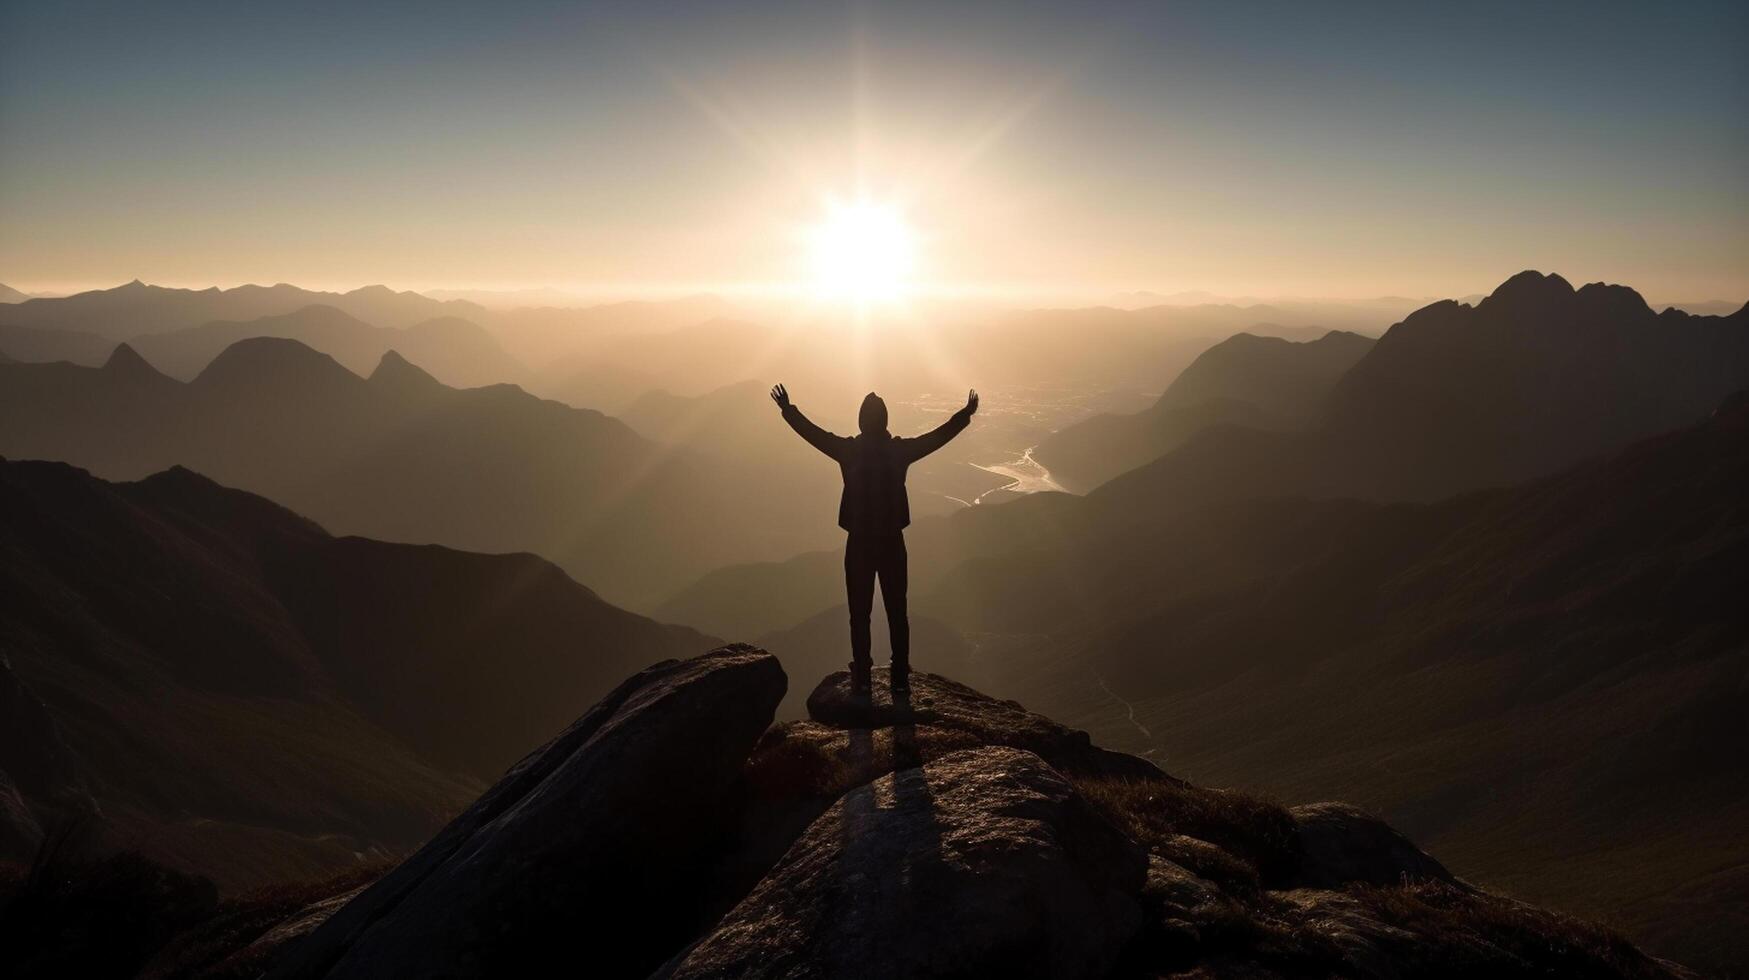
(273, 360)
(181, 478)
(1529, 290)
(395, 370)
(124, 361)
(1611, 300)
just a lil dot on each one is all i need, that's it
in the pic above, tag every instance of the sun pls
(862, 252)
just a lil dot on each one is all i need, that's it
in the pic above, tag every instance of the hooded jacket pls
(873, 464)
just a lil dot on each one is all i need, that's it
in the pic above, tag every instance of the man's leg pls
(860, 564)
(893, 575)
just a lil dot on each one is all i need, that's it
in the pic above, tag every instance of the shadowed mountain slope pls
(1285, 379)
(240, 693)
(761, 597)
(1533, 377)
(401, 457)
(1261, 382)
(1535, 679)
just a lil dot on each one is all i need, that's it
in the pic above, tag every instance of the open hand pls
(782, 397)
(971, 408)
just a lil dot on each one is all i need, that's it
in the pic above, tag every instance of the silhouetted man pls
(875, 511)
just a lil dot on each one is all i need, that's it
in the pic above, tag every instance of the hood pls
(872, 418)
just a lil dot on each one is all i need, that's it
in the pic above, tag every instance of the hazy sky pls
(1244, 148)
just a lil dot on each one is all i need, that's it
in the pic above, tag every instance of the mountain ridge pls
(456, 349)
(1248, 380)
(144, 309)
(281, 661)
(418, 462)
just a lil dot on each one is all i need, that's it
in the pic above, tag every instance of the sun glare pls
(862, 252)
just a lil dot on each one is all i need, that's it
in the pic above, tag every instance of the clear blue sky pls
(1264, 148)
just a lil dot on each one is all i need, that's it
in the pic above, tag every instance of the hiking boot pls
(859, 680)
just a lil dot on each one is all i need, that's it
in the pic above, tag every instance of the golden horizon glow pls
(1046, 155)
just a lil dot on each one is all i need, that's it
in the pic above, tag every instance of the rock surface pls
(984, 862)
(300, 924)
(587, 848)
(937, 702)
(1342, 845)
(956, 835)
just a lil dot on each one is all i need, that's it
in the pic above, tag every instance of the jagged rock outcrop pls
(587, 848)
(1233, 885)
(985, 862)
(955, 835)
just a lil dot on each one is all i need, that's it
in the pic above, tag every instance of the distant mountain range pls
(1535, 377)
(606, 356)
(181, 330)
(1092, 348)
(1361, 310)
(456, 351)
(402, 457)
(225, 686)
(135, 308)
(1367, 314)
(1711, 307)
(1260, 382)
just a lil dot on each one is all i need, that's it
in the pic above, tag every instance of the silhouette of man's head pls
(872, 419)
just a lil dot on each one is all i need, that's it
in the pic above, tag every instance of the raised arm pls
(826, 442)
(939, 436)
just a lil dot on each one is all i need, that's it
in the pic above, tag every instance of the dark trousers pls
(868, 556)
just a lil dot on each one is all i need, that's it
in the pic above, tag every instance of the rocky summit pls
(674, 832)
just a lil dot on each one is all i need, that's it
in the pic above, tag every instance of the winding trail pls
(1129, 710)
